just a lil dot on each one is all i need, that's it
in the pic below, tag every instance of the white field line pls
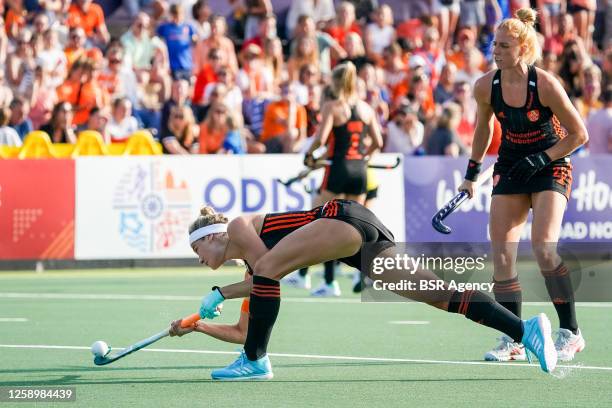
(117, 296)
(408, 322)
(12, 319)
(314, 357)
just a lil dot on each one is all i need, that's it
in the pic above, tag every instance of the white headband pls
(205, 231)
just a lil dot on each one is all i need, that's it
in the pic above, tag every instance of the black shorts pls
(346, 177)
(555, 177)
(376, 237)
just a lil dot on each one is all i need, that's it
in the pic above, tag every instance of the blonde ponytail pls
(344, 80)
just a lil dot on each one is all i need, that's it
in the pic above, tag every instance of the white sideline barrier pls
(141, 207)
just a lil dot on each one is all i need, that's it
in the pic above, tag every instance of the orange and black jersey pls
(529, 129)
(276, 226)
(346, 142)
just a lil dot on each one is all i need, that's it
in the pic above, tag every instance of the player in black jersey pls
(349, 129)
(273, 245)
(540, 129)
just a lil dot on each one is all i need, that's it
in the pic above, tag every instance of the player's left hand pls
(525, 168)
(209, 308)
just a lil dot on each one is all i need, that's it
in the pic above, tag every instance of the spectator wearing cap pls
(179, 38)
(20, 109)
(140, 47)
(404, 133)
(380, 33)
(444, 89)
(327, 47)
(416, 69)
(90, 17)
(599, 126)
(254, 77)
(321, 12)
(218, 39)
(284, 126)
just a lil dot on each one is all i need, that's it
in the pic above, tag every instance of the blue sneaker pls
(537, 339)
(244, 369)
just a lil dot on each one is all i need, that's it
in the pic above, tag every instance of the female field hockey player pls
(540, 129)
(273, 245)
(350, 131)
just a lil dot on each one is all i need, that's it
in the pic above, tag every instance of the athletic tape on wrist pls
(473, 170)
(205, 231)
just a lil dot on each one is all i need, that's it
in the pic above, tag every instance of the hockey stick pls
(304, 173)
(455, 203)
(107, 359)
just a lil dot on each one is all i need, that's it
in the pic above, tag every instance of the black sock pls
(303, 272)
(508, 294)
(480, 308)
(559, 286)
(264, 307)
(330, 271)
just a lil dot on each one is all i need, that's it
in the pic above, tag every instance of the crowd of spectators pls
(251, 80)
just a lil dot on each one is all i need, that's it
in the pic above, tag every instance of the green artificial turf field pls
(325, 352)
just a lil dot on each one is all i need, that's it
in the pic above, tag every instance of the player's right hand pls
(468, 187)
(177, 330)
(309, 160)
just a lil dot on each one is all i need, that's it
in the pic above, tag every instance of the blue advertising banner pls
(430, 182)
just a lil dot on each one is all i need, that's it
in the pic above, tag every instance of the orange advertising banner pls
(37, 209)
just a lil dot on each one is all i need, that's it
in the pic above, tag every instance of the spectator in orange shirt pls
(466, 42)
(213, 129)
(284, 126)
(81, 90)
(207, 74)
(345, 22)
(90, 17)
(75, 48)
(14, 21)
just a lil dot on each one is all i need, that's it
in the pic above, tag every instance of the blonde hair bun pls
(527, 16)
(208, 210)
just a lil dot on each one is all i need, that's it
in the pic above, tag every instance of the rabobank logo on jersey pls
(153, 207)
